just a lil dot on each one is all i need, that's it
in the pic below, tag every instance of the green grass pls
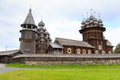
(65, 72)
(62, 74)
(74, 66)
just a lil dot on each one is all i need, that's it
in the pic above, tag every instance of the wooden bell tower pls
(92, 31)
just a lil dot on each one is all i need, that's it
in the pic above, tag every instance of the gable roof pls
(10, 52)
(70, 42)
(29, 19)
(55, 45)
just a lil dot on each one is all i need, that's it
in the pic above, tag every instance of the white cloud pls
(62, 17)
(112, 34)
(65, 28)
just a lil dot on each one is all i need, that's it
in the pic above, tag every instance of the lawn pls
(63, 74)
(66, 72)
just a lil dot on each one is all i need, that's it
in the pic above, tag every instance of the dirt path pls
(4, 69)
(2, 65)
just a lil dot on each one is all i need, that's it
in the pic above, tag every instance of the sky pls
(62, 18)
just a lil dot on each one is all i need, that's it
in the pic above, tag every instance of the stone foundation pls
(94, 59)
(86, 62)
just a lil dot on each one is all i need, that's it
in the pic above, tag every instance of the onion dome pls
(41, 31)
(83, 22)
(41, 23)
(42, 40)
(46, 38)
(95, 22)
(42, 35)
(91, 22)
(87, 20)
(100, 21)
(49, 39)
(44, 29)
(47, 33)
(91, 18)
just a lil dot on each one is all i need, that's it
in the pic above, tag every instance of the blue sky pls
(61, 17)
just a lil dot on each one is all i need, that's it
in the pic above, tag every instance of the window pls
(103, 52)
(84, 51)
(69, 50)
(29, 27)
(24, 26)
(109, 52)
(78, 51)
(27, 50)
(89, 51)
(33, 27)
(96, 51)
(100, 47)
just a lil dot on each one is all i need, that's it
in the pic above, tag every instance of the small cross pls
(99, 15)
(94, 13)
(91, 11)
(87, 14)
(83, 17)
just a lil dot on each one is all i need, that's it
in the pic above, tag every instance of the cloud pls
(65, 28)
(112, 34)
(62, 18)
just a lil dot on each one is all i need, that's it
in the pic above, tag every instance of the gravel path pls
(2, 65)
(4, 69)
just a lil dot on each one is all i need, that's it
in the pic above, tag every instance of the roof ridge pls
(69, 39)
(71, 42)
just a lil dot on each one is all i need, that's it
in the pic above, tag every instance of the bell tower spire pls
(28, 34)
(29, 19)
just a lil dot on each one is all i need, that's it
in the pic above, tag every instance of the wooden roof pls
(29, 19)
(10, 52)
(56, 45)
(70, 42)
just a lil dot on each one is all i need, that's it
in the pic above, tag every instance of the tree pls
(117, 49)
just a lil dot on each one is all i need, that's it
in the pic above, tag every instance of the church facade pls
(92, 31)
(36, 39)
(36, 46)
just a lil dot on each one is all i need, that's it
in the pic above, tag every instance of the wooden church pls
(35, 42)
(93, 42)
(36, 39)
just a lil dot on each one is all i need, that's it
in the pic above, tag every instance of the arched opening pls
(84, 51)
(69, 51)
(103, 52)
(89, 51)
(78, 51)
(109, 52)
(96, 51)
